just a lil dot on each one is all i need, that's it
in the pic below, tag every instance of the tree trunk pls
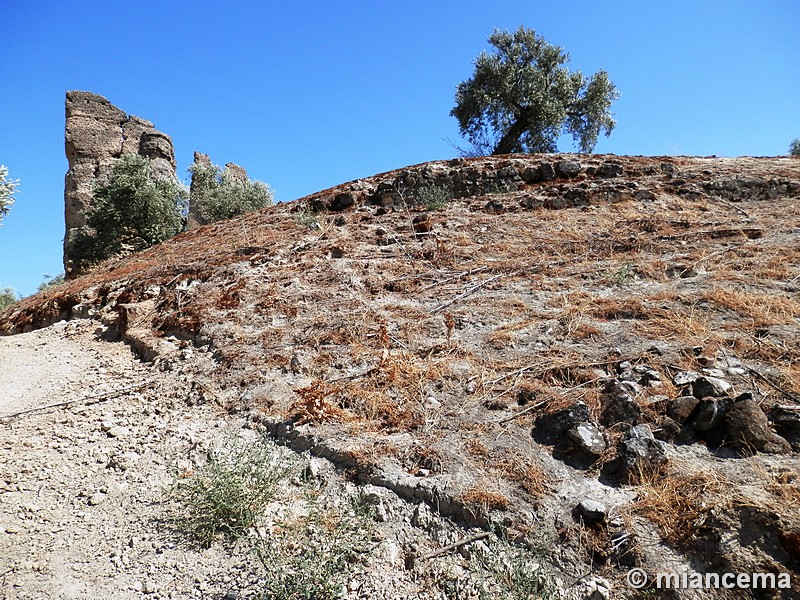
(508, 142)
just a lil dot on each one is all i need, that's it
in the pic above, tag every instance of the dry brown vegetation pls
(439, 349)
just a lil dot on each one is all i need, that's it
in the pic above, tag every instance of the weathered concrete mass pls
(96, 133)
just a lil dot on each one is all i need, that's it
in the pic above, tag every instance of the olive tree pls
(133, 209)
(7, 297)
(224, 193)
(794, 147)
(7, 188)
(521, 98)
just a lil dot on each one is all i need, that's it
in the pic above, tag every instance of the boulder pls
(703, 387)
(561, 421)
(567, 169)
(681, 408)
(587, 438)
(620, 407)
(709, 413)
(609, 169)
(748, 430)
(640, 451)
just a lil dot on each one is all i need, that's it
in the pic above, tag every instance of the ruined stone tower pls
(96, 133)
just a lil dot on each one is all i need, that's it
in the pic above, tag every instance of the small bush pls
(434, 197)
(133, 209)
(50, 282)
(221, 194)
(794, 147)
(230, 493)
(7, 188)
(7, 297)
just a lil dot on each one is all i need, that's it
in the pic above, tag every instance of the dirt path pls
(82, 512)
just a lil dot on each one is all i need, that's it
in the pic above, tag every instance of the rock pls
(685, 378)
(590, 511)
(647, 375)
(587, 438)
(342, 201)
(748, 430)
(680, 408)
(717, 373)
(668, 430)
(117, 431)
(96, 133)
(609, 169)
(494, 206)
(567, 169)
(785, 418)
(546, 172)
(561, 421)
(421, 224)
(639, 450)
(709, 413)
(531, 175)
(431, 403)
(97, 498)
(620, 406)
(596, 588)
(703, 387)
(148, 587)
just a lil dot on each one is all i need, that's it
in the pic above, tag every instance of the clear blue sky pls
(306, 95)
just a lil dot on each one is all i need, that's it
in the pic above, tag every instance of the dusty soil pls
(430, 353)
(83, 483)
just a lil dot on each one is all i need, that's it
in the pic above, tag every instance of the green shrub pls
(230, 493)
(794, 147)
(7, 188)
(223, 193)
(133, 209)
(7, 297)
(50, 282)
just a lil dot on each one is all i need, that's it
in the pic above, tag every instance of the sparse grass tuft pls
(434, 197)
(230, 492)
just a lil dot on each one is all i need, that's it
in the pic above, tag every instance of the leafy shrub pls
(7, 188)
(230, 493)
(224, 193)
(7, 297)
(50, 282)
(133, 209)
(794, 147)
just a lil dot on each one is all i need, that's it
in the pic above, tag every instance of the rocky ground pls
(594, 357)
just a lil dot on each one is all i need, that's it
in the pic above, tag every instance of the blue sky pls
(306, 95)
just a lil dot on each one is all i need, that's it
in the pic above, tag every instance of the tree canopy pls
(7, 188)
(521, 98)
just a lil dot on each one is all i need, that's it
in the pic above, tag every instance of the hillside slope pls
(595, 351)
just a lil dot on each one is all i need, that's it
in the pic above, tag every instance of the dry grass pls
(521, 470)
(481, 501)
(678, 501)
(314, 404)
(760, 308)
